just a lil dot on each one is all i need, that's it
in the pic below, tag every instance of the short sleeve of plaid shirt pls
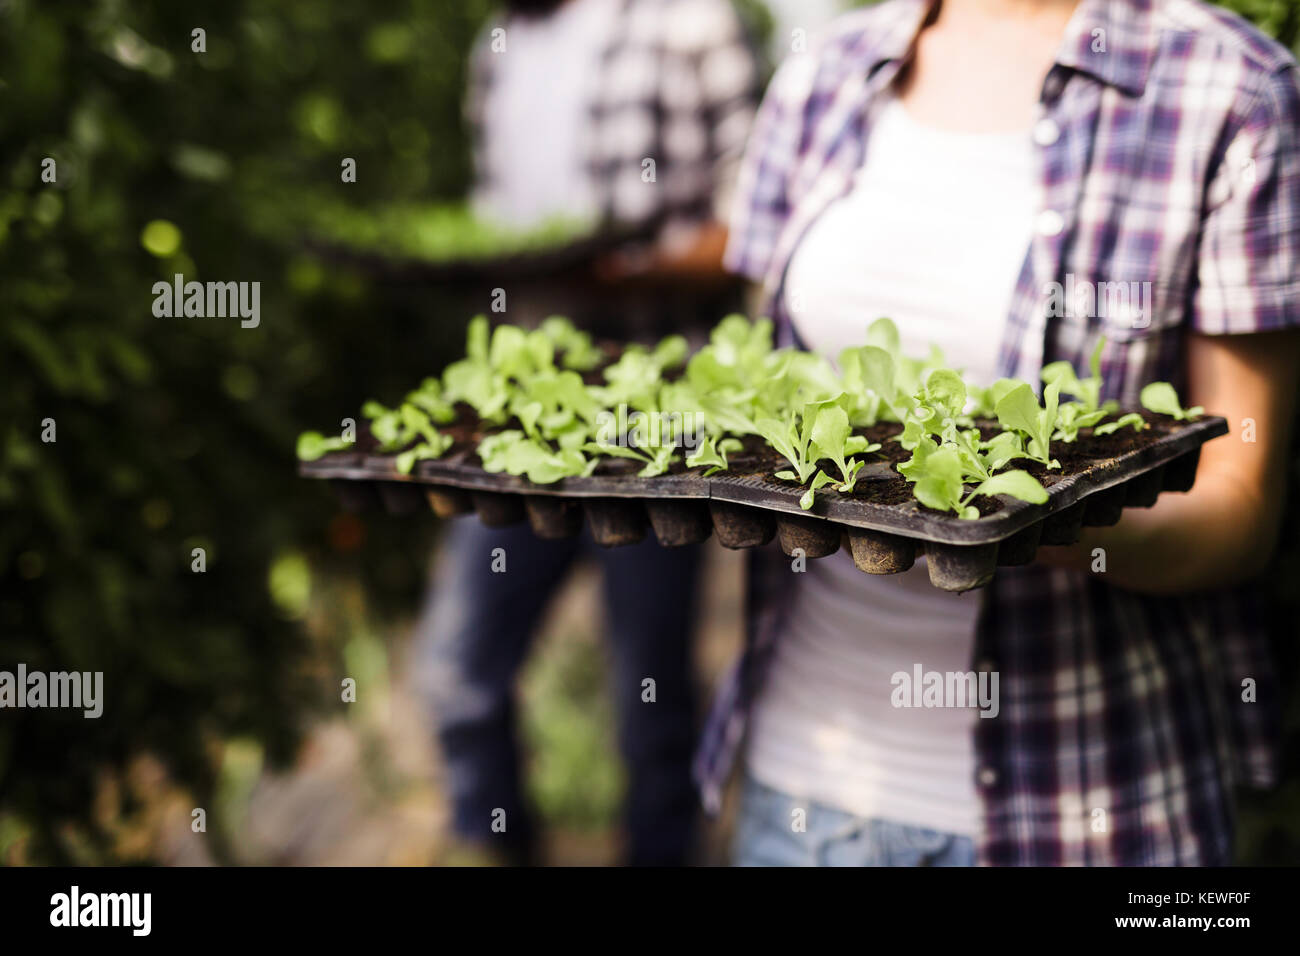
(1249, 263)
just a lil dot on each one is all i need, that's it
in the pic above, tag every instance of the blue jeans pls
(766, 836)
(474, 634)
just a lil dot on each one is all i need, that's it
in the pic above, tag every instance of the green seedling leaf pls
(1019, 410)
(1001, 449)
(1017, 484)
(945, 393)
(939, 485)
(421, 452)
(476, 339)
(713, 452)
(986, 399)
(787, 439)
(1161, 398)
(830, 430)
(1132, 420)
(1071, 417)
(671, 352)
(883, 334)
(868, 379)
(808, 498)
(575, 347)
(429, 398)
(314, 445)
(860, 445)
(1086, 390)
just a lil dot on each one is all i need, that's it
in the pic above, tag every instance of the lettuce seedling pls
(1019, 410)
(909, 373)
(516, 454)
(1086, 390)
(999, 450)
(313, 445)
(656, 460)
(635, 379)
(832, 438)
(1133, 419)
(1089, 409)
(1161, 398)
(385, 425)
(436, 448)
(397, 428)
(938, 411)
(433, 444)
(867, 374)
(575, 346)
(517, 354)
(732, 376)
(483, 378)
(429, 398)
(1071, 417)
(473, 380)
(986, 399)
(822, 431)
(714, 453)
(791, 438)
(738, 343)
(938, 478)
(556, 406)
(980, 459)
(671, 351)
(936, 407)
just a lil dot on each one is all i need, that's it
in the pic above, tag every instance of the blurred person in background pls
(567, 100)
(944, 164)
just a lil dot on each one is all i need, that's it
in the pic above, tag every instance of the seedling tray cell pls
(748, 509)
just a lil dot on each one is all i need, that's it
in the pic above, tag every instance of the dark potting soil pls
(1089, 450)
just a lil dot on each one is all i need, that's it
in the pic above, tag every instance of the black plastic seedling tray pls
(748, 509)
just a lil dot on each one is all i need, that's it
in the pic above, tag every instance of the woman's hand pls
(1225, 529)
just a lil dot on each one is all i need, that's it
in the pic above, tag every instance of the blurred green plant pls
(175, 434)
(575, 778)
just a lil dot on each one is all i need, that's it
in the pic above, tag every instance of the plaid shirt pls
(679, 83)
(1168, 137)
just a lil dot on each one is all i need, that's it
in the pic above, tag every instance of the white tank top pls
(932, 234)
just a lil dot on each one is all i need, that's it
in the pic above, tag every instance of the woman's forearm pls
(1217, 535)
(1225, 529)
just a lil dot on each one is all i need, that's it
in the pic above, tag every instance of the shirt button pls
(1046, 132)
(1050, 223)
(987, 776)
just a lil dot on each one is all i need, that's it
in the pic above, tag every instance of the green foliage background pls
(176, 434)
